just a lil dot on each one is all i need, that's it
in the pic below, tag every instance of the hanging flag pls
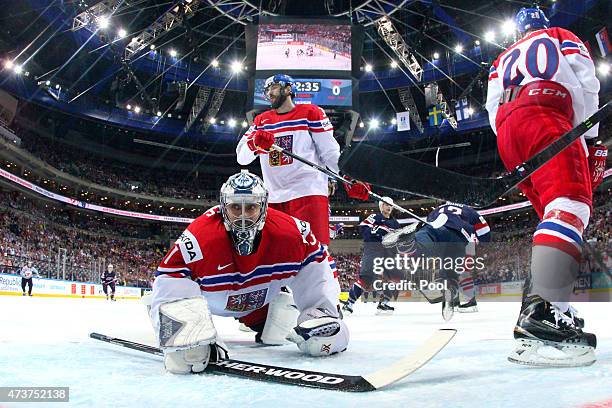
(435, 115)
(604, 42)
(403, 121)
(462, 109)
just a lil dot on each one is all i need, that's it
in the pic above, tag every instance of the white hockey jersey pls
(553, 54)
(305, 131)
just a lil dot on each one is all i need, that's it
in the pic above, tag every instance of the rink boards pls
(11, 285)
(600, 290)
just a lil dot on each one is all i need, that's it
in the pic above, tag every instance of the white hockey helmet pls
(244, 204)
(385, 200)
(110, 267)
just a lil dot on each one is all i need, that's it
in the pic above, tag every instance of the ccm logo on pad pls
(547, 91)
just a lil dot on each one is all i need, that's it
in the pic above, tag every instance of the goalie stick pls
(314, 379)
(393, 171)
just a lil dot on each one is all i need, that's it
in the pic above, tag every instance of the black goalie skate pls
(546, 337)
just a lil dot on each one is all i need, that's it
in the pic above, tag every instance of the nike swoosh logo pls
(264, 121)
(219, 267)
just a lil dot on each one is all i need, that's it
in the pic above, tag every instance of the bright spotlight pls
(508, 28)
(173, 53)
(122, 33)
(603, 68)
(8, 64)
(245, 123)
(394, 121)
(477, 42)
(436, 55)
(393, 64)
(361, 124)
(470, 111)
(489, 36)
(236, 67)
(214, 63)
(18, 69)
(368, 68)
(212, 121)
(128, 106)
(159, 113)
(458, 48)
(231, 123)
(137, 109)
(374, 123)
(152, 47)
(103, 22)
(47, 83)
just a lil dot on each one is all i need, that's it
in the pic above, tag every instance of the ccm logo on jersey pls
(190, 249)
(547, 91)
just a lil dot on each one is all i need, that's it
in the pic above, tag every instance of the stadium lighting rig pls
(394, 40)
(172, 18)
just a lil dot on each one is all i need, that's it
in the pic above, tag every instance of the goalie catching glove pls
(319, 333)
(402, 239)
(187, 336)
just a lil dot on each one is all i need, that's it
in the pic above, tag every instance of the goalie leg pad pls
(282, 317)
(322, 335)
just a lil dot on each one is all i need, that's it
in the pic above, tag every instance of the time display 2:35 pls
(308, 86)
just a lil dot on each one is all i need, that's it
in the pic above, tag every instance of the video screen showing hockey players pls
(304, 47)
(321, 92)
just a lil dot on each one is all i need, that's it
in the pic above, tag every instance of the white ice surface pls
(273, 57)
(44, 342)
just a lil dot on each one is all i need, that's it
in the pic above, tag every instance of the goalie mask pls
(244, 204)
(283, 81)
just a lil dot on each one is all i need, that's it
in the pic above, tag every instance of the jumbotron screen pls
(316, 91)
(303, 47)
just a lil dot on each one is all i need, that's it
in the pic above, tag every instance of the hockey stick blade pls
(396, 172)
(315, 379)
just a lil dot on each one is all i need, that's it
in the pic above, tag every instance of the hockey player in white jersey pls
(234, 260)
(305, 130)
(539, 88)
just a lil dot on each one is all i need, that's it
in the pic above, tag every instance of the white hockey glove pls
(187, 336)
(402, 239)
(318, 333)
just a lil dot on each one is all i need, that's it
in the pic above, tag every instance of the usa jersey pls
(305, 131)
(108, 277)
(376, 226)
(551, 54)
(463, 219)
(27, 272)
(203, 261)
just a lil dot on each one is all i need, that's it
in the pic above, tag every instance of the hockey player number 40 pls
(550, 64)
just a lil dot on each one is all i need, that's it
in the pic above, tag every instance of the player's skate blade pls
(469, 307)
(384, 310)
(539, 353)
(244, 328)
(347, 308)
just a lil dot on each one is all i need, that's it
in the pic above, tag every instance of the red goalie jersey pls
(203, 261)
